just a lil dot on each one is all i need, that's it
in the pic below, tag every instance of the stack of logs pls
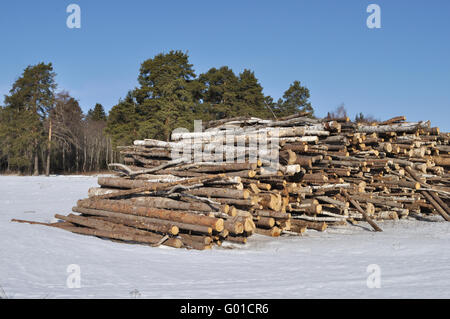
(316, 173)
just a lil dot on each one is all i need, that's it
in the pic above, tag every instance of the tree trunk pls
(36, 161)
(49, 145)
(99, 149)
(107, 151)
(77, 160)
(85, 155)
(64, 159)
(91, 162)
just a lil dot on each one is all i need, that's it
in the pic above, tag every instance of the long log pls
(101, 224)
(273, 232)
(155, 143)
(358, 207)
(237, 202)
(220, 192)
(270, 213)
(442, 208)
(155, 227)
(221, 167)
(167, 203)
(130, 172)
(152, 240)
(176, 216)
(57, 225)
(161, 186)
(319, 226)
(402, 127)
(154, 224)
(237, 239)
(187, 239)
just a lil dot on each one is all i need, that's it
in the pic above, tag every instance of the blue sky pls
(401, 69)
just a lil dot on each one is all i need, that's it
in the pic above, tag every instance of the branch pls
(132, 173)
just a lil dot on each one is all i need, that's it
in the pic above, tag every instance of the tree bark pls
(366, 217)
(36, 159)
(176, 216)
(154, 224)
(49, 146)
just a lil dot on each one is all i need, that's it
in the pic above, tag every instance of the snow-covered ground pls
(413, 257)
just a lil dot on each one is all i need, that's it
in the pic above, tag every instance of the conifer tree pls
(165, 99)
(97, 113)
(295, 99)
(123, 122)
(220, 93)
(251, 99)
(29, 104)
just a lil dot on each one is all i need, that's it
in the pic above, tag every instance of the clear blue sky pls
(401, 69)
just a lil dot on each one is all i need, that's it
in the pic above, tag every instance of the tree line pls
(43, 130)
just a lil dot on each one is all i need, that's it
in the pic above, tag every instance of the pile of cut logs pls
(205, 188)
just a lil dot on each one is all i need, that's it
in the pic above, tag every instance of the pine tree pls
(97, 113)
(123, 122)
(227, 95)
(251, 99)
(165, 99)
(295, 100)
(16, 139)
(220, 92)
(29, 103)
